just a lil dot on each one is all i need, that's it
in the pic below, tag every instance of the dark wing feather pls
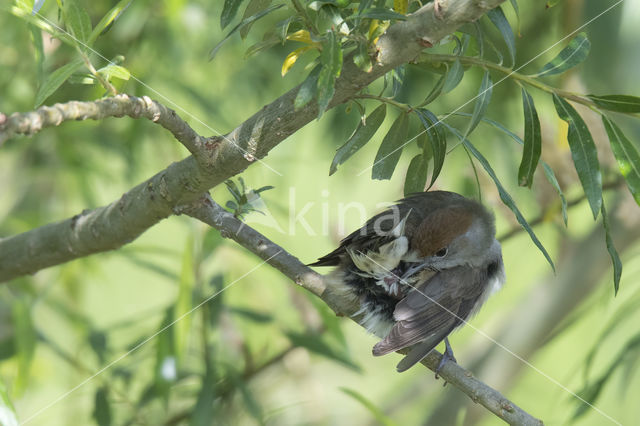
(432, 311)
(416, 206)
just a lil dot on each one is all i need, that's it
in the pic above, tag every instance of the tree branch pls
(218, 158)
(211, 213)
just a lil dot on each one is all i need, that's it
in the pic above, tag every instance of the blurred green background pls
(266, 351)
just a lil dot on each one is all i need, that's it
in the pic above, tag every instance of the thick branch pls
(109, 227)
(214, 215)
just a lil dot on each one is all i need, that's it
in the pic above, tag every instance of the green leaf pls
(626, 155)
(613, 253)
(204, 410)
(77, 20)
(583, 152)
(378, 415)
(362, 135)
(618, 103)
(435, 91)
(532, 141)
(308, 89)
(25, 341)
(504, 195)
(116, 71)
(416, 175)
(108, 19)
(229, 11)
(576, 51)
(251, 315)
(7, 411)
(551, 177)
(438, 140)
(38, 50)
(331, 60)
(242, 24)
(500, 21)
(54, 80)
(317, 345)
(102, 408)
(381, 14)
(391, 148)
(254, 6)
(482, 102)
(454, 77)
(184, 301)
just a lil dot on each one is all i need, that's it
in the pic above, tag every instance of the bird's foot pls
(446, 356)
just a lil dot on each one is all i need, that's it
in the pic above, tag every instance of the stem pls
(399, 105)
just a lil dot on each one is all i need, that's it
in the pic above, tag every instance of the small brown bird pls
(419, 270)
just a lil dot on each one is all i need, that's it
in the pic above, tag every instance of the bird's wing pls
(433, 310)
(372, 234)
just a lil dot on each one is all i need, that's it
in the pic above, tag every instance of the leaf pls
(54, 80)
(583, 152)
(626, 155)
(618, 103)
(576, 51)
(551, 177)
(254, 6)
(613, 253)
(504, 195)
(25, 341)
(532, 141)
(116, 71)
(378, 415)
(292, 57)
(454, 76)
(438, 140)
(500, 21)
(416, 178)
(482, 102)
(229, 11)
(362, 135)
(435, 91)
(102, 408)
(251, 315)
(204, 410)
(38, 50)
(391, 148)
(381, 14)
(243, 23)
(308, 89)
(317, 345)
(7, 411)
(78, 21)
(108, 19)
(184, 301)
(331, 60)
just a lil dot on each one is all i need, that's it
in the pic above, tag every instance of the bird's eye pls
(442, 252)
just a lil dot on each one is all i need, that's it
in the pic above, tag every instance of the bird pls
(419, 270)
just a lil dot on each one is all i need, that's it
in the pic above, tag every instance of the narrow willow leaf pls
(391, 148)
(116, 71)
(551, 177)
(254, 6)
(618, 103)
(381, 14)
(454, 76)
(331, 60)
(615, 258)
(583, 152)
(516, 9)
(438, 139)
(108, 19)
(308, 89)
(362, 135)
(318, 346)
(378, 415)
(626, 155)
(229, 11)
(54, 80)
(78, 21)
(102, 407)
(500, 21)
(242, 24)
(532, 141)
(416, 178)
(435, 92)
(504, 195)
(482, 102)
(576, 52)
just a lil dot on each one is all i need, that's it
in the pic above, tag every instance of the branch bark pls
(211, 213)
(215, 159)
